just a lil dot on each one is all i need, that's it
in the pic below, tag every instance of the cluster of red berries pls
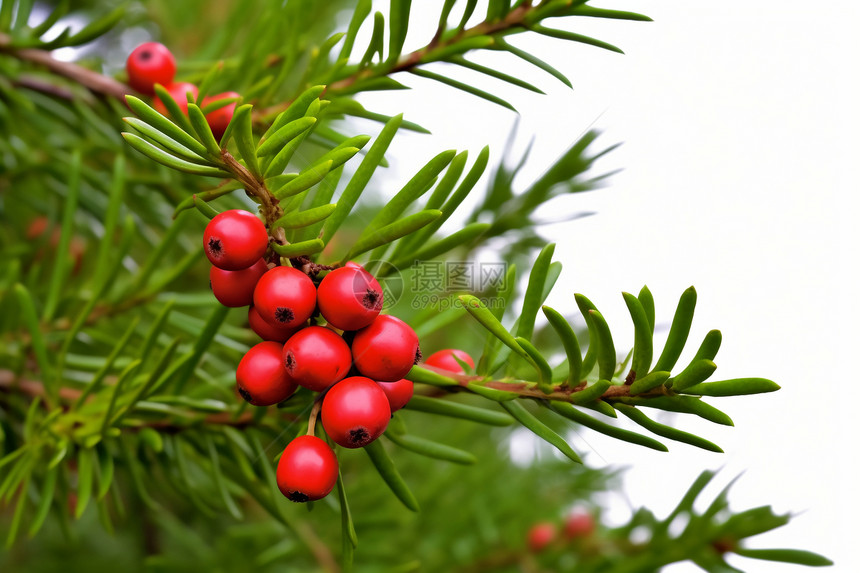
(577, 525)
(358, 359)
(152, 63)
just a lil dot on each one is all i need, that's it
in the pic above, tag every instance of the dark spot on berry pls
(359, 437)
(215, 246)
(418, 355)
(145, 55)
(372, 300)
(290, 362)
(284, 315)
(246, 395)
(297, 497)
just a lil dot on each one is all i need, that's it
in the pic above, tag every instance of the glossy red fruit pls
(149, 64)
(355, 412)
(349, 298)
(307, 469)
(219, 119)
(235, 240)
(285, 297)
(316, 358)
(236, 288)
(541, 535)
(261, 377)
(266, 331)
(398, 393)
(444, 359)
(578, 524)
(178, 92)
(386, 350)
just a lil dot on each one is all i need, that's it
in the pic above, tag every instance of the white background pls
(739, 126)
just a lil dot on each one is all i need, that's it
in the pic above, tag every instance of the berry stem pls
(315, 412)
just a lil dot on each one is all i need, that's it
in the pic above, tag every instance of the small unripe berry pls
(444, 359)
(398, 393)
(349, 298)
(235, 240)
(177, 91)
(261, 377)
(307, 469)
(285, 297)
(316, 358)
(355, 412)
(266, 331)
(236, 288)
(541, 535)
(219, 119)
(578, 524)
(386, 350)
(149, 64)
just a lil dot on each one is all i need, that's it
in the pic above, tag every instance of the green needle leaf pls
(643, 345)
(284, 135)
(424, 376)
(678, 332)
(362, 11)
(488, 320)
(571, 413)
(85, 479)
(541, 365)
(734, 387)
(457, 410)
(361, 177)
(163, 125)
(534, 292)
(527, 419)
(244, 137)
(201, 127)
(464, 236)
(590, 358)
(176, 113)
(646, 299)
(297, 220)
(648, 382)
(40, 349)
(299, 249)
(390, 475)
(606, 357)
(590, 393)
(697, 371)
(462, 87)
(533, 60)
(218, 478)
(569, 341)
(432, 449)
(666, 431)
(574, 37)
(305, 180)
(46, 497)
(499, 75)
(62, 264)
(796, 556)
(391, 232)
(161, 156)
(166, 142)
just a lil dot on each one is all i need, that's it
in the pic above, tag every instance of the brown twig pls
(90, 79)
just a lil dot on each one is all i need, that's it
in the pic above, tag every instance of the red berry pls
(444, 360)
(349, 298)
(316, 358)
(236, 288)
(355, 412)
(386, 350)
(265, 330)
(149, 64)
(261, 377)
(177, 91)
(307, 469)
(285, 297)
(541, 535)
(578, 524)
(398, 393)
(219, 119)
(235, 240)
